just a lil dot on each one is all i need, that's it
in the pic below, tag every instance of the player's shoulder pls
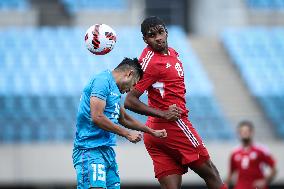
(102, 78)
(147, 56)
(104, 74)
(236, 149)
(147, 52)
(173, 51)
(261, 148)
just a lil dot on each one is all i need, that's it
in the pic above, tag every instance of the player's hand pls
(159, 133)
(260, 184)
(173, 113)
(134, 136)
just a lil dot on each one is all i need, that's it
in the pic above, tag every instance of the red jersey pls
(163, 79)
(249, 163)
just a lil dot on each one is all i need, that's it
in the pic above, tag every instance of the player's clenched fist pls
(159, 133)
(173, 113)
(134, 137)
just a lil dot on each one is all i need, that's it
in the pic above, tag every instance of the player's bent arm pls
(133, 103)
(97, 107)
(131, 123)
(269, 178)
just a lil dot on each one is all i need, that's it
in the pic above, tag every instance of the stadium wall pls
(19, 18)
(131, 16)
(43, 164)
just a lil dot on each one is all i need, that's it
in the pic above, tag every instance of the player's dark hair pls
(150, 22)
(246, 123)
(128, 63)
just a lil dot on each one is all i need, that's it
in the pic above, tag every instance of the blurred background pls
(233, 58)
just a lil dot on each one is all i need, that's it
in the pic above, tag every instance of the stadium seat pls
(75, 6)
(261, 65)
(266, 4)
(42, 82)
(19, 5)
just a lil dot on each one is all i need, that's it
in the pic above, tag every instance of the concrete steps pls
(230, 90)
(51, 13)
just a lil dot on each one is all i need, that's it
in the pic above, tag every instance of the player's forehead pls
(155, 29)
(245, 128)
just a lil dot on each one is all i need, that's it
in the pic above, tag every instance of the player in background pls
(98, 114)
(248, 160)
(164, 80)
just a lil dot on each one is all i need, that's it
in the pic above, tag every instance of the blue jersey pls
(88, 134)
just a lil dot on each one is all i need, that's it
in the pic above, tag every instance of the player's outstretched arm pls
(133, 103)
(131, 123)
(97, 107)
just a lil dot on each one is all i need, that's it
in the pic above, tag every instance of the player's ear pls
(145, 40)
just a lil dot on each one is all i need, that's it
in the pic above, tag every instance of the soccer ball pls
(100, 39)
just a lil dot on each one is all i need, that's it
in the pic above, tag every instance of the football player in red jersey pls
(248, 160)
(164, 80)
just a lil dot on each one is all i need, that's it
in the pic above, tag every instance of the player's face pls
(156, 38)
(128, 81)
(245, 133)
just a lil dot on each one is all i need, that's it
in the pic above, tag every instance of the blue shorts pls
(96, 168)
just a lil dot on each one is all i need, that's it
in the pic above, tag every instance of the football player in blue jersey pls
(98, 116)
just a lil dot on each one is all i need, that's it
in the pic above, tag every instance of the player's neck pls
(116, 76)
(166, 51)
(163, 52)
(247, 144)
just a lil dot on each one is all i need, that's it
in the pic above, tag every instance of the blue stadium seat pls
(260, 63)
(19, 5)
(75, 6)
(266, 4)
(42, 82)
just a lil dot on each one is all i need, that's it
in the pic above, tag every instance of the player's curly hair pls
(128, 63)
(150, 22)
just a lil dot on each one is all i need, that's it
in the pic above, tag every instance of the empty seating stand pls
(43, 72)
(18, 5)
(74, 6)
(258, 55)
(266, 4)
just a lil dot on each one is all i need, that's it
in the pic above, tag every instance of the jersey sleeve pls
(146, 81)
(100, 89)
(268, 159)
(150, 75)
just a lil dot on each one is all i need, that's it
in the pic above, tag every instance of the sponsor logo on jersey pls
(113, 94)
